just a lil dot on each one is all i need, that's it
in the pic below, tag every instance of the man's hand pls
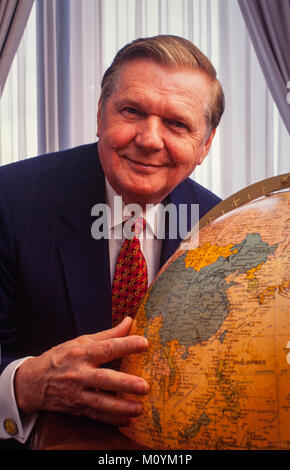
(68, 378)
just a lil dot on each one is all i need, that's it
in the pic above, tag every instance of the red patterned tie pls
(130, 279)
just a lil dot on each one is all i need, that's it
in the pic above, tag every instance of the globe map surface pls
(217, 318)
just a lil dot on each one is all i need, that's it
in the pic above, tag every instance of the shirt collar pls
(150, 215)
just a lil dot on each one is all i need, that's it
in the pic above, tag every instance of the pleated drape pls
(13, 18)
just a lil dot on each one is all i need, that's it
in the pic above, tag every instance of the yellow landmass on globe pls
(206, 255)
(270, 290)
(251, 274)
(253, 282)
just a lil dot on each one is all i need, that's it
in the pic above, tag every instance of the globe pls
(217, 318)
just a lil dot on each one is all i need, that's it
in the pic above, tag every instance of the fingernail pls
(141, 341)
(141, 387)
(138, 408)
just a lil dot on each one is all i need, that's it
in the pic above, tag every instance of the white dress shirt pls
(151, 247)
(21, 424)
(149, 244)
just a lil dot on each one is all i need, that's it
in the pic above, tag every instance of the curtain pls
(254, 141)
(18, 103)
(268, 24)
(53, 74)
(13, 18)
(77, 40)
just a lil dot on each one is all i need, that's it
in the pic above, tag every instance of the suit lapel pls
(85, 265)
(168, 249)
(86, 260)
(169, 246)
(176, 197)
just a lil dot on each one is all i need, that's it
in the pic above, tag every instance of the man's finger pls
(112, 380)
(110, 404)
(115, 348)
(118, 331)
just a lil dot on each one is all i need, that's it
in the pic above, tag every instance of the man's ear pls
(206, 147)
(99, 116)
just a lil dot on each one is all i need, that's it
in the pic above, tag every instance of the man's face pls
(152, 131)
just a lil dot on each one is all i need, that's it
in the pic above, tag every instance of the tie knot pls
(138, 226)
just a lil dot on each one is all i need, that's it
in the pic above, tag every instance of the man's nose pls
(149, 134)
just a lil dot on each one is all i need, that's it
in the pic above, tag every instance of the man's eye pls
(178, 124)
(130, 110)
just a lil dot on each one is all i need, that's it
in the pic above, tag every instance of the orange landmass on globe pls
(270, 290)
(251, 273)
(206, 255)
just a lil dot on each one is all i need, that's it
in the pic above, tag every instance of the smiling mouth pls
(141, 164)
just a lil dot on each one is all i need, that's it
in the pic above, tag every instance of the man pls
(158, 112)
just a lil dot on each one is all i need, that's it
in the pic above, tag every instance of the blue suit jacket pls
(54, 277)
